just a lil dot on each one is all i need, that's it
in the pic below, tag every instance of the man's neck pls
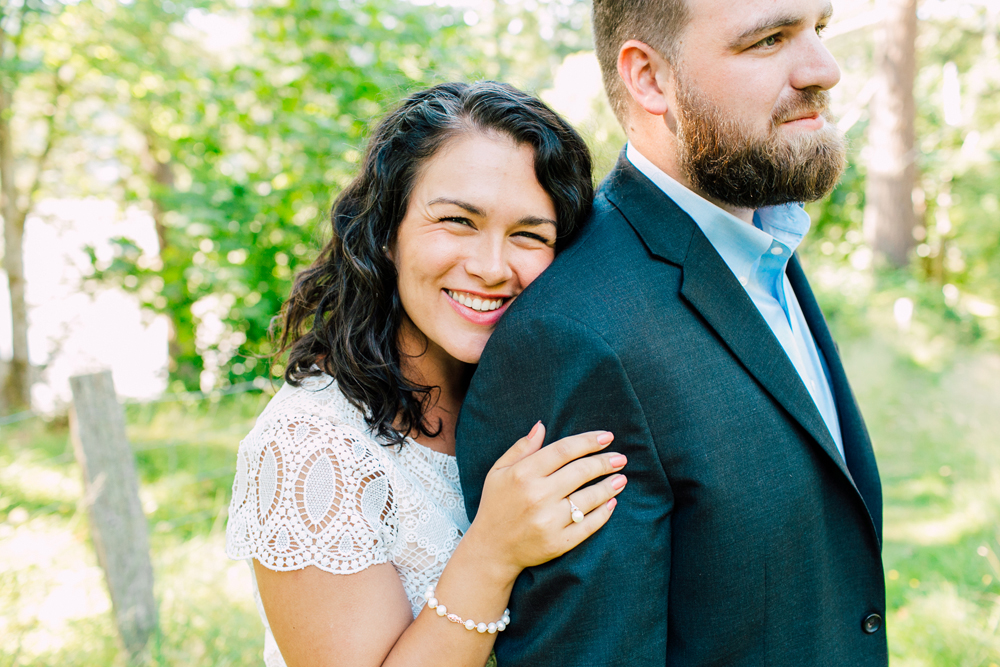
(663, 154)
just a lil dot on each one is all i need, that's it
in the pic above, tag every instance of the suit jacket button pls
(871, 624)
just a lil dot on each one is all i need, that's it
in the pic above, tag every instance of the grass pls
(54, 608)
(934, 426)
(936, 436)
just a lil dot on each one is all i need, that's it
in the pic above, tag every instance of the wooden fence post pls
(117, 522)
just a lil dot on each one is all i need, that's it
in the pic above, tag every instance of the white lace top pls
(314, 487)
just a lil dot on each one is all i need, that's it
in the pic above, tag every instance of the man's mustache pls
(805, 103)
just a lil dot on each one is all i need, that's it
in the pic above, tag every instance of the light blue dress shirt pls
(757, 255)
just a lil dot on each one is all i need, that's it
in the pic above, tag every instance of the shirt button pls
(871, 624)
(777, 250)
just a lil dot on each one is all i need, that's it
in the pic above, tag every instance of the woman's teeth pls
(475, 302)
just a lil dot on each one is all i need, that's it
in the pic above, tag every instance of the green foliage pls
(238, 153)
(239, 161)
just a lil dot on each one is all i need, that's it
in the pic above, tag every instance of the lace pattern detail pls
(314, 487)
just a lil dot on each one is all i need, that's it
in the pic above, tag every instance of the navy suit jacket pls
(743, 537)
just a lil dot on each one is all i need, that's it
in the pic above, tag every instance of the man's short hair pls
(657, 23)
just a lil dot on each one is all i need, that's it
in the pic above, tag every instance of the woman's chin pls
(470, 357)
(470, 352)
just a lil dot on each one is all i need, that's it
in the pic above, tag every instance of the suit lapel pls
(711, 289)
(857, 444)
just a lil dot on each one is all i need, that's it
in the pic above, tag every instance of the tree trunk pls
(163, 181)
(889, 216)
(117, 523)
(17, 387)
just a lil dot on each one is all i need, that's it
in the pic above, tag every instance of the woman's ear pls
(646, 75)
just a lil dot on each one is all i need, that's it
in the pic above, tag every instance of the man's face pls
(753, 124)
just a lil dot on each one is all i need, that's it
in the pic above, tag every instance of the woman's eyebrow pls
(471, 208)
(530, 221)
(534, 221)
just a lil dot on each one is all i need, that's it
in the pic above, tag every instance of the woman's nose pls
(488, 262)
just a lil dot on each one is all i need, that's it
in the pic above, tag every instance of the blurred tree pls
(237, 151)
(889, 216)
(154, 76)
(22, 26)
(234, 125)
(524, 41)
(954, 282)
(958, 93)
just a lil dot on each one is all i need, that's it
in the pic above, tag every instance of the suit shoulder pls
(605, 245)
(607, 259)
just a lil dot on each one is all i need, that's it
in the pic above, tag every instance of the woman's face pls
(478, 229)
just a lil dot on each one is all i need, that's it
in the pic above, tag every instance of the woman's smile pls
(479, 309)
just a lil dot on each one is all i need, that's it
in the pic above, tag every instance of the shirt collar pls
(740, 245)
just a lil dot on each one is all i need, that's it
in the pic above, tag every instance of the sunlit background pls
(188, 152)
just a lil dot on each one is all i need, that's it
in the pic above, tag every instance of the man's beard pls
(734, 165)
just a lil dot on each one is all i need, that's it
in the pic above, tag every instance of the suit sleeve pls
(605, 602)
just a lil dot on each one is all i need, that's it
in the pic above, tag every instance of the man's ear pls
(646, 75)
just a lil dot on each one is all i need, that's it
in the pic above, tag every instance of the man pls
(750, 530)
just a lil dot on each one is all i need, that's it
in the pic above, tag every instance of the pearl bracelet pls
(481, 628)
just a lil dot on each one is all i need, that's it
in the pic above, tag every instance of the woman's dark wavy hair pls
(344, 314)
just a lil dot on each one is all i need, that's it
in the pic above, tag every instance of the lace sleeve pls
(310, 492)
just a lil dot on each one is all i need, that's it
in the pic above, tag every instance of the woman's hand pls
(525, 515)
(524, 519)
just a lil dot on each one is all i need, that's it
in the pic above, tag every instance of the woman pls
(346, 496)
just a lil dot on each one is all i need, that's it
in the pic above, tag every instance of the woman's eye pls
(537, 237)
(459, 220)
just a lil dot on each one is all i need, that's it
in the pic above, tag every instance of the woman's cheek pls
(443, 253)
(535, 262)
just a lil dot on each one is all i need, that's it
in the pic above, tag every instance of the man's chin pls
(803, 167)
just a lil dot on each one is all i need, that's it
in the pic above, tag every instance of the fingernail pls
(605, 438)
(619, 482)
(618, 461)
(611, 504)
(534, 429)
